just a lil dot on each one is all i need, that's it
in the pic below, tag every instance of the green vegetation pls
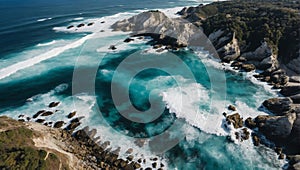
(276, 22)
(17, 151)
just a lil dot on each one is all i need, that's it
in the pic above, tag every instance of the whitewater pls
(203, 120)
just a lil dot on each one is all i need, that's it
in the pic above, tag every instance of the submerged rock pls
(47, 113)
(127, 40)
(80, 25)
(53, 104)
(72, 114)
(231, 107)
(38, 113)
(90, 24)
(112, 47)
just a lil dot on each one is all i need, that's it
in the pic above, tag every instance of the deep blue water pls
(27, 32)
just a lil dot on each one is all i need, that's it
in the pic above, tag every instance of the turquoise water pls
(185, 106)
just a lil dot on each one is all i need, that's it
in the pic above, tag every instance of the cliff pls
(265, 27)
(31, 145)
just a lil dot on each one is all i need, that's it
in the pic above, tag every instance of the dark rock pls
(53, 104)
(40, 120)
(112, 47)
(102, 22)
(281, 156)
(278, 106)
(28, 118)
(156, 46)
(90, 24)
(296, 98)
(236, 64)
(154, 165)
(130, 158)
(80, 25)
(278, 128)
(47, 113)
(20, 116)
(129, 167)
(102, 31)
(77, 119)
(136, 165)
(127, 40)
(224, 114)
(71, 26)
(248, 67)
(250, 123)
(122, 163)
(105, 144)
(73, 125)
(58, 124)
(235, 119)
(231, 107)
(294, 159)
(72, 114)
(256, 140)
(21, 120)
(245, 134)
(148, 168)
(293, 144)
(159, 50)
(38, 113)
(290, 90)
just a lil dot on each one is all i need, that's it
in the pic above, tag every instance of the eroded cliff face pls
(169, 31)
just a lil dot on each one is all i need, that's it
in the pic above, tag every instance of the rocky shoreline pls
(267, 57)
(72, 147)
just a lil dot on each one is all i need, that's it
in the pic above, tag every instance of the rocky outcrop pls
(165, 30)
(54, 148)
(227, 47)
(263, 57)
(279, 106)
(276, 128)
(235, 119)
(53, 104)
(290, 90)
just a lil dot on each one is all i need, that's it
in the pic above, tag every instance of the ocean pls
(176, 107)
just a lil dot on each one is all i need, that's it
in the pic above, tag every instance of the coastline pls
(226, 67)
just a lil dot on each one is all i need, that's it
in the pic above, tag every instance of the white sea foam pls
(46, 44)
(43, 19)
(5, 72)
(78, 19)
